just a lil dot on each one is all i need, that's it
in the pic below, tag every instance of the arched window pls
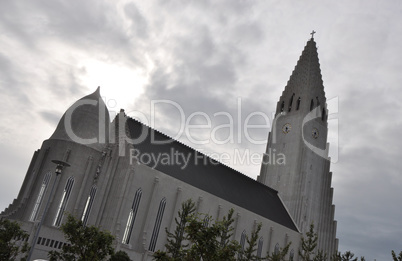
(243, 240)
(42, 190)
(276, 251)
(291, 255)
(324, 114)
(88, 205)
(259, 248)
(282, 106)
(318, 102)
(291, 102)
(206, 221)
(131, 217)
(157, 225)
(311, 105)
(63, 201)
(298, 104)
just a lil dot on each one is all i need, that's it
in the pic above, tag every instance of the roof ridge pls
(203, 154)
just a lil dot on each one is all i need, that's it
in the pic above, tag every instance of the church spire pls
(299, 136)
(304, 90)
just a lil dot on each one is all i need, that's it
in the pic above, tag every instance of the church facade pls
(108, 184)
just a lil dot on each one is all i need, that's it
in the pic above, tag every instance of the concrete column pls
(87, 170)
(106, 184)
(151, 204)
(199, 204)
(176, 208)
(219, 212)
(270, 234)
(234, 236)
(122, 196)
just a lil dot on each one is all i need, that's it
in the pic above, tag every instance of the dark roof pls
(209, 175)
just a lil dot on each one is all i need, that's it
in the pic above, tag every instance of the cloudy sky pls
(216, 56)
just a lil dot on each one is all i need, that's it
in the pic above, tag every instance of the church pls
(106, 182)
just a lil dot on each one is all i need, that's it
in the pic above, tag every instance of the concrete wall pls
(117, 182)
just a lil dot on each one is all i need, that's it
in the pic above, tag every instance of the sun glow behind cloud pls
(120, 84)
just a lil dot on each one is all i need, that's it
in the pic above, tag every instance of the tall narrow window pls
(206, 221)
(282, 106)
(323, 115)
(276, 251)
(42, 190)
(290, 103)
(298, 104)
(259, 248)
(292, 255)
(131, 217)
(311, 105)
(157, 225)
(63, 201)
(243, 240)
(88, 205)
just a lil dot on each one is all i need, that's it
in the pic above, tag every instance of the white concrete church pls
(137, 201)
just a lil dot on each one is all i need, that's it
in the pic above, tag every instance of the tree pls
(84, 242)
(336, 256)
(212, 242)
(12, 240)
(252, 242)
(348, 256)
(321, 256)
(395, 257)
(198, 237)
(227, 249)
(280, 254)
(175, 243)
(308, 244)
(120, 256)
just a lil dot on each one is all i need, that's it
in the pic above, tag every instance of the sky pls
(216, 56)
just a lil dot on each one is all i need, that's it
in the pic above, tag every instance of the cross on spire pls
(312, 34)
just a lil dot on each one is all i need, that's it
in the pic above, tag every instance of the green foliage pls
(395, 257)
(347, 256)
(177, 242)
(85, 242)
(252, 243)
(321, 256)
(279, 255)
(336, 257)
(227, 248)
(12, 240)
(212, 242)
(198, 237)
(162, 256)
(308, 245)
(120, 256)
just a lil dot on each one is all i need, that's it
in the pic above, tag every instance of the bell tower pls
(299, 134)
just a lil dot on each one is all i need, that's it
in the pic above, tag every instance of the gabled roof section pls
(209, 175)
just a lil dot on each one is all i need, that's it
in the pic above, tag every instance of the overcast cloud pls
(204, 55)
